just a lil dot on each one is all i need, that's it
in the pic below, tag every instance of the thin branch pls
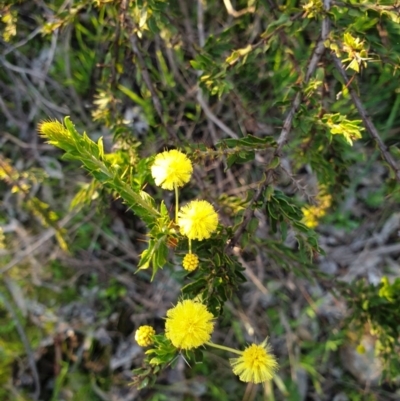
(237, 14)
(147, 80)
(249, 212)
(23, 42)
(200, 23)
(31, 249)
(369, 125)
(200, 98)
(211, 116)
(312, 65)
(9, 116)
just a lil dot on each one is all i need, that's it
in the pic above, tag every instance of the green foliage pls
(337, 124)
(91, 154)
(161, 355)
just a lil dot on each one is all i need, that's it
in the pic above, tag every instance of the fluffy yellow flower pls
(171, 169)
(190, 262)
(197, 220)
(256, 364)
(144, 336)
(189, 324)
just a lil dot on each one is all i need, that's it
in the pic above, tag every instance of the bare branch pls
(369, 125)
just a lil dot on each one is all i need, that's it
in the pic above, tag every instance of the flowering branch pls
(366, 119)
(287, 125)
(312, 65)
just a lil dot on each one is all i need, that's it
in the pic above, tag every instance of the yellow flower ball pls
(189, 324)
(256, 364)
(197, 220)
(190, 262)
(144, 336)
(171, 169)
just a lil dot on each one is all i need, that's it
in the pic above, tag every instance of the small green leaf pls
(275, 162)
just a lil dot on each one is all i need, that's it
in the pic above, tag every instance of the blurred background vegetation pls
(151, 75)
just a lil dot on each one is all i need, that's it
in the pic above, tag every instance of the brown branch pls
(287, 126)
(369, 125)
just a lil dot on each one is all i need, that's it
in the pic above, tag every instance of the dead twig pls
(369, 125)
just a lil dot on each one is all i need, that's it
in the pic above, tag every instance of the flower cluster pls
(313, 213)
(189, 325)
(144, 336)
(198, 219)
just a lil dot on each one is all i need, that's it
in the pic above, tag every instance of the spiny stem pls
(235, 351)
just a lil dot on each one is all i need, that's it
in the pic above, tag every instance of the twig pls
(200, 23)
(211, 116)
(25, 342)
(312, 65)
(23, 41)
(249, 212)
(6, 136)
(9, 116)
(200, 98)
(80, 108)
(147, 80)
(236, 14)
(49, 233)
(366, 119)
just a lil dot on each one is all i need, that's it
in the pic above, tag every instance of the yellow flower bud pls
(144, 336)
(190, 262)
